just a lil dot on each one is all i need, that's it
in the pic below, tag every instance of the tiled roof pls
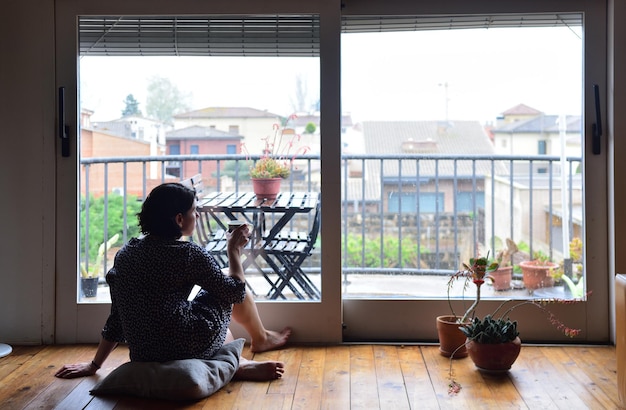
(302, 120)
(521, 109)
(227, 112)
(197, 132)
(130, 118)
(542, 123)
(452, 137)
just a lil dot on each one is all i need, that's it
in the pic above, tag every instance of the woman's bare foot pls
(273, 340)
(259, 371)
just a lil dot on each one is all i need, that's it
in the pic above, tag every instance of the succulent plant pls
(490, 330)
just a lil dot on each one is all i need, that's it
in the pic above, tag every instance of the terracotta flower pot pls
(536, 275)
(450, 337)
(266, 188)
(502, 278)
(494, 357)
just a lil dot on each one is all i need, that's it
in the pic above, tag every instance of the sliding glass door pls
(179, 92)
(471, 136)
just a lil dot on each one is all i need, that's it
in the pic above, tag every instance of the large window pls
(432, 109)
(430, 116)
(206, 85)
(453, 112)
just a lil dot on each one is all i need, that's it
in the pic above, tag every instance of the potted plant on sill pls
(493, 342)
(538, 272)
(575, 284)
(279, 152)
(451, 339)
(502, 278)
(89, 275)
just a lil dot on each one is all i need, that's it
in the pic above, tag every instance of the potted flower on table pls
(275, 163)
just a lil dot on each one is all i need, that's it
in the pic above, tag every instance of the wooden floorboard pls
(355, 376)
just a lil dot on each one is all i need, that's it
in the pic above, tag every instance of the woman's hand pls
(71, 371)
(239, 237)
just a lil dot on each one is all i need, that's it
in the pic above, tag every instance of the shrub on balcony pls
(235, 169)
(395, 254)
(115, 220)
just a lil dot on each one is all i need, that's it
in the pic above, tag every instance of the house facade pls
(531, 132)
(116, 139)
(135, 127)
(250, 123)
(408, 179)
(431, 185)
(200, 140)
(525, 131)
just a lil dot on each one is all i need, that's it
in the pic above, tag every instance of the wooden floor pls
(340, 377)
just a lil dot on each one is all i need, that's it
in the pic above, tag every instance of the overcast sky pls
(385, 76)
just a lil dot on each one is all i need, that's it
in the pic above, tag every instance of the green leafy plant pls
(577, 289)
(118, 213)
(490, 330)
(94, 269)
(576, 249)
(366, 253)
(576, 284)
(279, 152)
(540, 257)
(120, 218)
(234, 169)
(310, 128)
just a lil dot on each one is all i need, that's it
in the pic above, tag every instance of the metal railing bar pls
(402, 182)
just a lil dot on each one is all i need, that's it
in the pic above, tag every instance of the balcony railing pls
(402, 214)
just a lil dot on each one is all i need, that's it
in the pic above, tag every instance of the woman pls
(151, 279)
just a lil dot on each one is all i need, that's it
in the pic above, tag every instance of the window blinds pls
(370, 24)
(267, 35)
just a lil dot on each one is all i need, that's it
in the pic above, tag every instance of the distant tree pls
(131, 106)
(164, 99)
(235, 169)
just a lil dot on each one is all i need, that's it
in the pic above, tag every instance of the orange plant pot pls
(502, 278)
(537, 276)
(494, 357)
(451, 339)
(266, 188)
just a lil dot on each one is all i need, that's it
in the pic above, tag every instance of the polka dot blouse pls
(150, 282)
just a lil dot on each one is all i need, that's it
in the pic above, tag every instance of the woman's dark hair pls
(159, 210)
